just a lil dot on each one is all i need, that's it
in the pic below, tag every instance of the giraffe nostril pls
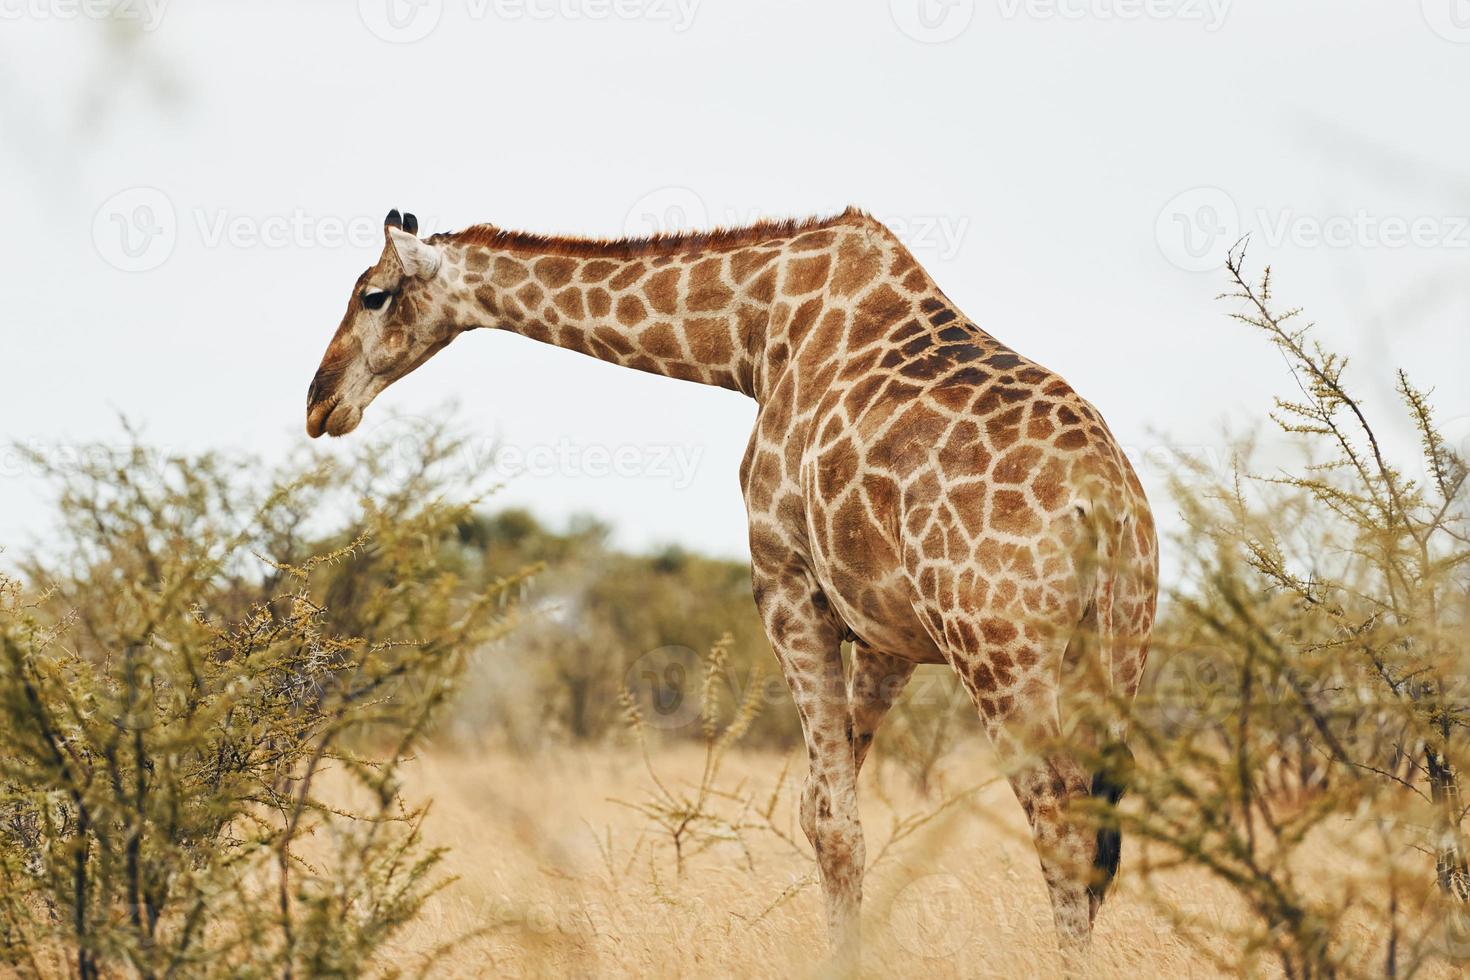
(320, 387)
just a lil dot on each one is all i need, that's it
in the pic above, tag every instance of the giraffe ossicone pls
(912, 484)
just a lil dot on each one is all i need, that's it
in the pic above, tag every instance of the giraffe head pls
(397, 318)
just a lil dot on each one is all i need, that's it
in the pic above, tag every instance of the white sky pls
(1031, 159)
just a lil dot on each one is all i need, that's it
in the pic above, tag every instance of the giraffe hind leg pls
(1080, 681)
(1047, 789)
(1015, 684)
(808, 643)
(874, 684)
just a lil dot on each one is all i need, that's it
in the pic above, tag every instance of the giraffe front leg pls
(874, 684)
(808, 644)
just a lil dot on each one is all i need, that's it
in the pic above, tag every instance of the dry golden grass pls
(559, 879)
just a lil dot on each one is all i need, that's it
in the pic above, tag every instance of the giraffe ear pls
(419, 259)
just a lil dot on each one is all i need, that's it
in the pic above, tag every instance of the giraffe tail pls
(1113, 534)
(1109, 783)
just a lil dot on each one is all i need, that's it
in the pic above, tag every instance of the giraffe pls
(913, 486)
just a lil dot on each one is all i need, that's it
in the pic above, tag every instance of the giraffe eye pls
(374, 299)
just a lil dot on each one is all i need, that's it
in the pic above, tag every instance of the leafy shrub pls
(205, 723)
(1307, 693)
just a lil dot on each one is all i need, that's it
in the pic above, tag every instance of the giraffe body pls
(912, 485)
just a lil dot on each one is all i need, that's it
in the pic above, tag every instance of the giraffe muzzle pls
(333, 418)
(316, 418)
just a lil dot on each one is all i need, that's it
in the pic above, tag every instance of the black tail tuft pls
(1109, 783)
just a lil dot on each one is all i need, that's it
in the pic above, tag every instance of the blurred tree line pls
(599, 621)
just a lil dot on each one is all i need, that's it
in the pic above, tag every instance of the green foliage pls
(1307, 692)
(931, 717)
(601, 619)
(205, 723)
(690, 817)
(598, 618)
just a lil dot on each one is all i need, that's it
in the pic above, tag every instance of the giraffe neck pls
(698, 308)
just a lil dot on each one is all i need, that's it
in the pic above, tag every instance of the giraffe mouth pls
(342, 412)
(317, 414)
(333, 418)
(344, 419)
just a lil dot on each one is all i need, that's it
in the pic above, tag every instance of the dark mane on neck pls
(666, 243)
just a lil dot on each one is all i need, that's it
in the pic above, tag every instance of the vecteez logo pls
(135, 230)
(1210, 14)
(147, 14)
(1450, 19)
(1195, 229)
(932, 21)
(401, 21)
(407, 21)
